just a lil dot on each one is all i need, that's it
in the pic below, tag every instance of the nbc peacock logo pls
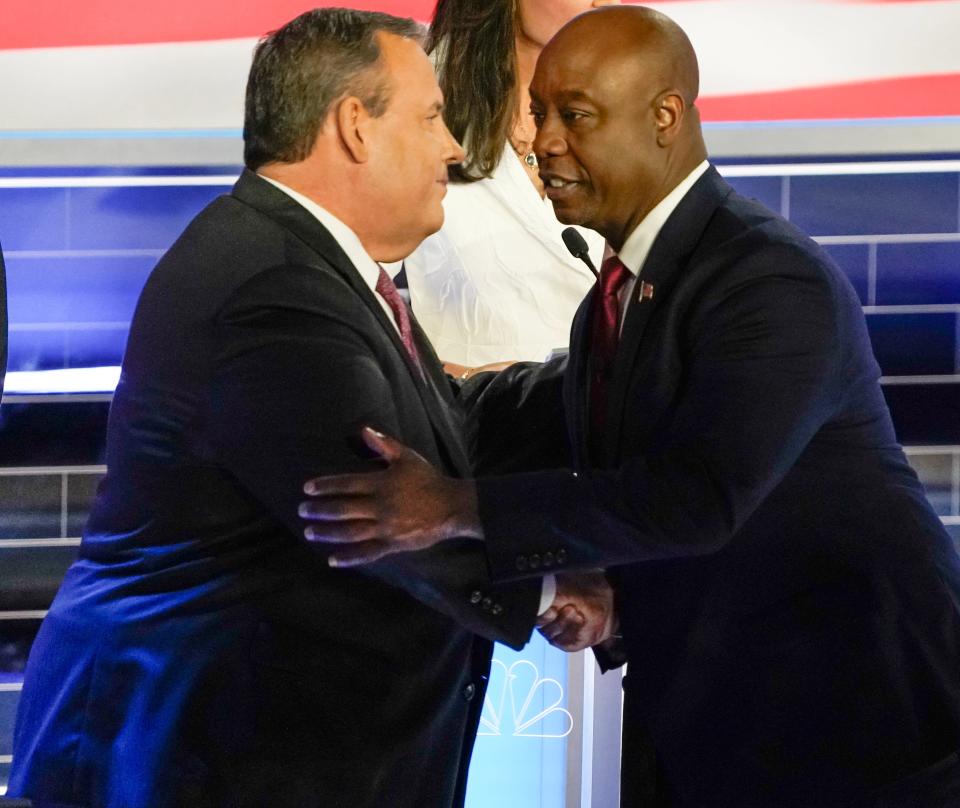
(521, 703)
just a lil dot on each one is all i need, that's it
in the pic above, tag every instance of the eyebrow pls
(564, 96)
(575, 95)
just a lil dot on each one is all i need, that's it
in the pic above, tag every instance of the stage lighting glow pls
(65, 380)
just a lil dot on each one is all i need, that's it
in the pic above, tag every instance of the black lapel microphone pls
(578, 248)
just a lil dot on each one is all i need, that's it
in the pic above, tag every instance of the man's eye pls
(537, 118)
(571, 115)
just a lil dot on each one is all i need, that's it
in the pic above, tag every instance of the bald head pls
(648, 48)
(622, 82)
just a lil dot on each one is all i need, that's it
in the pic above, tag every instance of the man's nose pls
(549, 141)
(455, 152)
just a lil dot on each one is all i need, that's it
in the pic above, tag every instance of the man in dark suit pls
(785, 592)
(199, 652)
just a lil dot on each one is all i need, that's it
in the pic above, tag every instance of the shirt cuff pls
(547, 593)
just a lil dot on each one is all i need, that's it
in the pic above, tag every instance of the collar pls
(368, 269)
(637, 246)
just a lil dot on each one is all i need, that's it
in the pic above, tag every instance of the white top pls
(496, 282)
(636, 248)
(348, 240)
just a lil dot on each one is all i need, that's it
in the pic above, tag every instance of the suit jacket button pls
(548, 559)
(475, 596)
(521, 563)
(469, 691)
(561, 556)
(497, 610)
(486, 604)
(535, 561)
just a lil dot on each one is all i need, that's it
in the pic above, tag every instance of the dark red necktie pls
(388, 291)
(604, 338)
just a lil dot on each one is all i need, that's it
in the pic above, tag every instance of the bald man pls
(785, 592)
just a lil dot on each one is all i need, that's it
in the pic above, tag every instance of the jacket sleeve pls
(515, 419)
(298, 371)
(761, 375)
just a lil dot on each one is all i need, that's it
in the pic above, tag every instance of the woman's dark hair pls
(474, 47)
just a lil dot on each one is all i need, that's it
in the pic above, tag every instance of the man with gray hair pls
(199, 652)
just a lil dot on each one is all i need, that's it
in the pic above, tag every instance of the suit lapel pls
(298, 220)
(284, 210)
(668, 255)
(440, 404)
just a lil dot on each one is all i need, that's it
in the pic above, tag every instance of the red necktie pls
(388, 291)
(604, 338)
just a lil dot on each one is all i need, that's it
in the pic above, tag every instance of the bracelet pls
(465, 375)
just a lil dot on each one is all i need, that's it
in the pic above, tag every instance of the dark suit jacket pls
(783, 585)
(199, 652)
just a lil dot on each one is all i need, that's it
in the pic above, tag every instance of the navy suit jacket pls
(199, 652)
(784, 588)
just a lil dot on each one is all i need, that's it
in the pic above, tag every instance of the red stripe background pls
(55, 23)
(61, 23)
(912, 97)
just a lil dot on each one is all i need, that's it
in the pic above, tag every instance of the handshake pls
(582, 613)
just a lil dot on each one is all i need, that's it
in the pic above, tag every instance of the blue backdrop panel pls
(520, 757)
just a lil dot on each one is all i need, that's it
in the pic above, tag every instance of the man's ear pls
(668, 109)
(351, 119)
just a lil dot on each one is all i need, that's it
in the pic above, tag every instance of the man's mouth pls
(558, 187)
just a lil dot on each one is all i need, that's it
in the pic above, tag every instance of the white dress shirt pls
(636, 248)
(496, 282)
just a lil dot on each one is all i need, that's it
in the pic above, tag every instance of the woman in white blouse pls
(496, 283)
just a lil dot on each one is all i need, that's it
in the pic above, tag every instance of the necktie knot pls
(613, 274)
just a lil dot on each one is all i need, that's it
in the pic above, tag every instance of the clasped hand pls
(582, 614)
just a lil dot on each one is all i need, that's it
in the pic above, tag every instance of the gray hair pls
(298, 72)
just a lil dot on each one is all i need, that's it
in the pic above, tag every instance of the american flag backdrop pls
(181, 64)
